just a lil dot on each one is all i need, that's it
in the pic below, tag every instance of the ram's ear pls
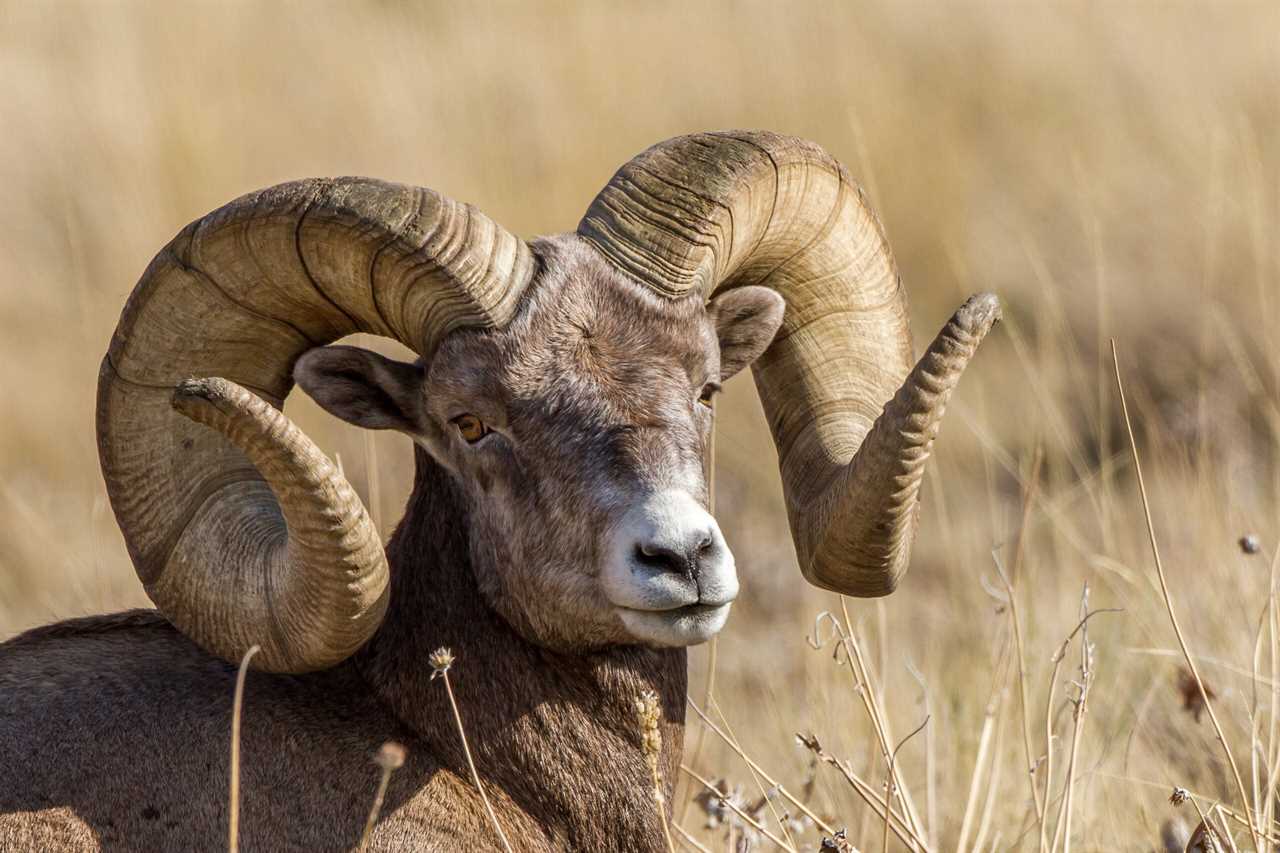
(362, 387)
(746, 320)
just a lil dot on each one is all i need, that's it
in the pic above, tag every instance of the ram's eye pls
(708, 394)
(470, 427)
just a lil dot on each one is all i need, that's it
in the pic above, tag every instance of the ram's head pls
(565, 384)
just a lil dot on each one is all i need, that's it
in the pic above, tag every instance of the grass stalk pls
(441, 660)
(237, 708)
(993, 793)
(986, 759)
(930, 759)
(1010, 584)
(755, 767)
(880, 805)
(755, 777)
(390, 758)
(746, 818)
(1063, 828)
(1058, 657)
(1168, 603)
(865, 687)
(1273, 744)
(688, 840)
(383, 781)
(893, 758)
(1023, 714)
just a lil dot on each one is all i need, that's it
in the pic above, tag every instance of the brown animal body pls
(116, 729)
(556, 537)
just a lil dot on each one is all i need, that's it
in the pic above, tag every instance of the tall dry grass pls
(1111, 170)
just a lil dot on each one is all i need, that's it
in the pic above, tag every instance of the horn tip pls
(205, 388)
(978, 314)
(192, 394)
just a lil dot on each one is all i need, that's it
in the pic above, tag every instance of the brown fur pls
(114, 730)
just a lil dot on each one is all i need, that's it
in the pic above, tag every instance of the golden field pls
(1111, 170)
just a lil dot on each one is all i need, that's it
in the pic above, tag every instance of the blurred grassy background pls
(1108, 169)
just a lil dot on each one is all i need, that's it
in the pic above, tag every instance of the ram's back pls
(115, 734)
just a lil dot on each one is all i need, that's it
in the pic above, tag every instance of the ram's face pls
(579, 436)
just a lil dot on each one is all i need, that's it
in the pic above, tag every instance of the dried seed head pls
(718, 803)
(647, 715)
(390, 756)
(1250, 544)
(1179, 796)
(441, 659)
(838, 843)
(809, 742)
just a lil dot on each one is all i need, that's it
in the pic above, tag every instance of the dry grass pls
(1110, 170)
(441, 660)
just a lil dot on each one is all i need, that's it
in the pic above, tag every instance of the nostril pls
(662, 559)
(706, 543)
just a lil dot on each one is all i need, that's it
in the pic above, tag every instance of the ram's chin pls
(684, 626)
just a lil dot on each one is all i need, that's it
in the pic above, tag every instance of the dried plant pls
(390, 758)
(750, 826)
(838, 843)
(237, 708)
(1173, 618)
(441, 660)
(648, 716)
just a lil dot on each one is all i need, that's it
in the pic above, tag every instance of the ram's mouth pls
(692, 610)
(696, 609)
(680, 609)
(687, 625)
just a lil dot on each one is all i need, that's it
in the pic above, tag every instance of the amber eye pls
(470, 427)
(708, 394)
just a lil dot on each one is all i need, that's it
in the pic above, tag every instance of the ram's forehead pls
(582, 317)
(582, 322)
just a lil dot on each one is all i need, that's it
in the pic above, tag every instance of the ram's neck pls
(558, 733)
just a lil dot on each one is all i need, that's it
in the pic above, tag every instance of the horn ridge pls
(240, 529)
(852, 421)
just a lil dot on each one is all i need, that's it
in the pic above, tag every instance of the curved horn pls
(245, 533)
(852, 421)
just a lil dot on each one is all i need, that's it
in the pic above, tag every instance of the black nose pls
(686, 560)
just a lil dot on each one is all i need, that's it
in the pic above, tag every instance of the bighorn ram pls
(556, 537)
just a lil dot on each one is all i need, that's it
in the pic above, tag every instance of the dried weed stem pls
(893, 757)
(1168, 603)
(390, 758)
(688, 840)
(237, 706)
(746, 818)
(755, 777)
(1010, 585)
(864, 686)
(1058, 657)
(898, 823)
(441, 660)
(773, 783)
(1080, 708)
